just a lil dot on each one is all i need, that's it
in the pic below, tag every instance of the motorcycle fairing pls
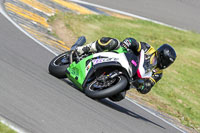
(77, 72)
(113, 57)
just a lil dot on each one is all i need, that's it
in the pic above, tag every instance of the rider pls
(155, 60)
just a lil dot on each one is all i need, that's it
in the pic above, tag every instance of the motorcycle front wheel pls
(58, 66)
(98, 90)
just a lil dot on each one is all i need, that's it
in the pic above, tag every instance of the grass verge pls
(5, 129)
(178, 92)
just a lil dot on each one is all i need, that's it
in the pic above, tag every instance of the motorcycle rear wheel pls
(59, 64)
(95, 93)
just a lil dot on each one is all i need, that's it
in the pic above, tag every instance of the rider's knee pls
(107, 43)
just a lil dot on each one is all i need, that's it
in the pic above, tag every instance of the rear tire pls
(107, 92)
(57, 68)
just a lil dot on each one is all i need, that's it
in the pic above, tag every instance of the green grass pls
(178, 93)
(5, 129)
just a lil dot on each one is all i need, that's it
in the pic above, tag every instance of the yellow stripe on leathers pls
(104, 44)
(153, 80)
(151, 50)
(138, 50)
(27, 14)
(39, 6)
(73, 6)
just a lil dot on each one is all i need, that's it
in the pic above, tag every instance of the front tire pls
(107, 92)
(59, 64)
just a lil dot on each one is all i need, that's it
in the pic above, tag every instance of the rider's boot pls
(91, 47)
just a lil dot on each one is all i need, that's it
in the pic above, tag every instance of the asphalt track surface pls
(37, 102)
(179, 13)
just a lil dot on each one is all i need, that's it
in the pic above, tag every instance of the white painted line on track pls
(11, 125)
(113, 10)
(3, 120)
(126, 13)
(21, 29)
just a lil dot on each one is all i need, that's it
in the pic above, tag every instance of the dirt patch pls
(65, 34)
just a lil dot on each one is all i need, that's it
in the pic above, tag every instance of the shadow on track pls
(117, 107)
(126, 111)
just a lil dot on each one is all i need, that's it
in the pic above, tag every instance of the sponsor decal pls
(88, 67)
(101, 60)
(134, 63)
(127, 43)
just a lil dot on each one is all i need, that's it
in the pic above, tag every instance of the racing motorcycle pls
(99, 75)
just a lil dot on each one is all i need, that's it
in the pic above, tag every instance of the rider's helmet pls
(166, 55)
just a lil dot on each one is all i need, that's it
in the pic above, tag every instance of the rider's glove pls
(82, 50)
(145, 87)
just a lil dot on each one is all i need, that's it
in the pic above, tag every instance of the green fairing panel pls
(77, 72)
(121, 50)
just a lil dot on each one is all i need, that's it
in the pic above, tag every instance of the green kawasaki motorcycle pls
(99, 75)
